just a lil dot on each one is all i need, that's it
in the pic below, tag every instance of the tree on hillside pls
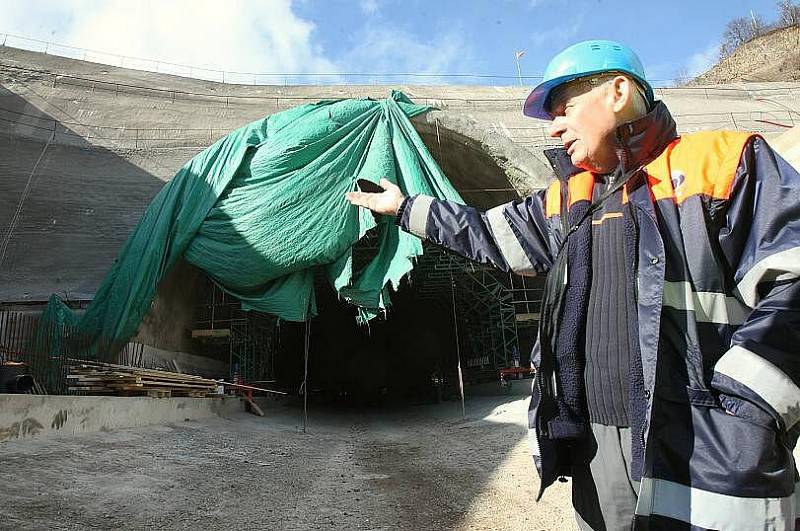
(789, 13)
(681, 77)
(741, 30)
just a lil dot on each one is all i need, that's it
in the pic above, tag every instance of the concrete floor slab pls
(418, 467)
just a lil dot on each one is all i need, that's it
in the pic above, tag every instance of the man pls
(669, 353)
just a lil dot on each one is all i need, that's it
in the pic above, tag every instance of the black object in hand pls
(369, 187)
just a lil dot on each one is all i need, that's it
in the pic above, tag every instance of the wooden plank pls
(104, 377)
(251, 388)
(214, 332)
(172, 384)
(179, 380)
(108, 378)
(136, 369)
(253, 407)
(137, 381)
(143, 376)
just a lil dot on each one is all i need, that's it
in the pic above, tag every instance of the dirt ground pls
(418, 467)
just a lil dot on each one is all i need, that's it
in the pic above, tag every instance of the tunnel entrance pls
(447, 309)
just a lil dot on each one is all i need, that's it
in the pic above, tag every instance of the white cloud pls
(703, 60)
(370, 7)
(672, 73)
(255, 36)
(561, 33)
(392, 50)
(263, 36)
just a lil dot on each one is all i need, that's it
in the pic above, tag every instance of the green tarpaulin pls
(263, 207)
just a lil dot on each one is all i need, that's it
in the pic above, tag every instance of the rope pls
(18, 211)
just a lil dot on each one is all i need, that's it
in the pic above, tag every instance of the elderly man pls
(668, 359)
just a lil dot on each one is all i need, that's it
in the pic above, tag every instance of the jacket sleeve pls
(512, 237)
(760, 240)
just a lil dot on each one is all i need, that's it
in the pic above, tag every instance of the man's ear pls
(620, 93)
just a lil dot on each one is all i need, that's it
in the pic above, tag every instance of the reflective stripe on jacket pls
(717, 252)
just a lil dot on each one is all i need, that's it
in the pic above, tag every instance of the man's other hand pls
(387, 202)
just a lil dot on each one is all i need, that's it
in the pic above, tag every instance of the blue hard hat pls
(581, 60)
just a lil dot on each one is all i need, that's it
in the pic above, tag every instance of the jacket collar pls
(638, 142)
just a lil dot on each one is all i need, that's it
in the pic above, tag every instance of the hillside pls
(774, 56)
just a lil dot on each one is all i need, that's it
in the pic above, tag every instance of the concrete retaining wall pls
(27, 416)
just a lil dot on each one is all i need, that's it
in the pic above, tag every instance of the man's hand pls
(387, 202)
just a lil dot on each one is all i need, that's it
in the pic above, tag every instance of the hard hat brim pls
(536, 103)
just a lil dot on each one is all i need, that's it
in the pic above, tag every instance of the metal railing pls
(47, 348)
(295, 78)
(260, 78)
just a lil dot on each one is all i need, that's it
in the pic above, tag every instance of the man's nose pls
(557, 127)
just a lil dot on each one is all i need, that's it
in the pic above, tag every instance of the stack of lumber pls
(92, 377)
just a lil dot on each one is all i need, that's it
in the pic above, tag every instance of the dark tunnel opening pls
(408, 357)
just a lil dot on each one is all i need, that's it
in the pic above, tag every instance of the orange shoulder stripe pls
(552, 199)
(580, 187)
(701, 163)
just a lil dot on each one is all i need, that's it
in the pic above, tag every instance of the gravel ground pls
(419, 467)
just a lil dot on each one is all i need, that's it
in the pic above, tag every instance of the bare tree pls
(741, 30)
(789, 13)
(737, 32)
(757, 26)
(681, 77)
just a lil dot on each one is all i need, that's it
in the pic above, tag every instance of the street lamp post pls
(517, 56)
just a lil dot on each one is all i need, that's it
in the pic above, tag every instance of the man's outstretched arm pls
(512, 237)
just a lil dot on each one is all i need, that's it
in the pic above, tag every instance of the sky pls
(428, 37)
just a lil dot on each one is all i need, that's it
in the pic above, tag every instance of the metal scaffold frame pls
(485, 305)
(252, 348)
(251, 336)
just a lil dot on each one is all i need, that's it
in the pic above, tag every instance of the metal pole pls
(458, 347)
(305, 375)
(519, 71)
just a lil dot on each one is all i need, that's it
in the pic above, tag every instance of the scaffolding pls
(251, 337)
(489, 305)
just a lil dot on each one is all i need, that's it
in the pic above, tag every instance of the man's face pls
(584, 121)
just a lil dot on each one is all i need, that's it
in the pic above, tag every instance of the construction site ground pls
(412, 467)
